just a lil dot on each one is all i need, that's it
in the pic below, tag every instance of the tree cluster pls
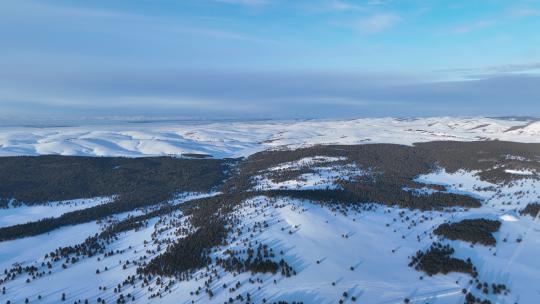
(438, 259)
(531, 209)
(137, 183)
(470, 230)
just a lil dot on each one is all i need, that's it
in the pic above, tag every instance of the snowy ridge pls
(533, 128)
(233, 139)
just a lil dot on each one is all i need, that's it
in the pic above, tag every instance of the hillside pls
(433, 222)
(235, 139)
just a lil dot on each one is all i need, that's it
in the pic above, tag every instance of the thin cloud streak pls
(473, 26)
(524, 12)
(378, 23)
(252, 3)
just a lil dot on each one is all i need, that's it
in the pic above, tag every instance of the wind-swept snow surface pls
(232, 139)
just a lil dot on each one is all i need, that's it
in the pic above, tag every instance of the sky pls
(256, 59)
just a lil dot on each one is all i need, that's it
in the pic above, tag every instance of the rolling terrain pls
(237, 139)
(365, 211)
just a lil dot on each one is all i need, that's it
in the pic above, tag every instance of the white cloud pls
(532, 68)
(467, 28)
(338, 5)
(378, 22)
(524, 12)
(509, 15)
(253, 3)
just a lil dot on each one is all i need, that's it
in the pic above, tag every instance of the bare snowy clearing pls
(324, 174)
(21, 214)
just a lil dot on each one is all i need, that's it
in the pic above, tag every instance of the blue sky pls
(269, 58)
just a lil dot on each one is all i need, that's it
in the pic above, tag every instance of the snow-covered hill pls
(264, 242)
(233, 139)
(529, 129)
(336, 254)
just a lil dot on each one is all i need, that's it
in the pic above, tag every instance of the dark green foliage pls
(196, 155)
(188, 253)
(258, 261)
(471, 299)
(370, 194)
(471, 230)
(393, 194)
(285, 175)
(531, 209)
(209, 216)
(125, 202)
(437, 259)
(148, 181)
(34, 180)
(392, 168)
(397, 165)
(258, 265)
(492, 158)
(394, 160)
(4, 203)
(138, 182)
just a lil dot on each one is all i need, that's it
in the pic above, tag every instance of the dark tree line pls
(125, 202)
(398, 164)
(531, 209)
(394, 167)
(471, 230)
(358, 193)
(189, 253)
(438, 259)
(259, 260)
(41, 179)
(137, 183)
(209, 216)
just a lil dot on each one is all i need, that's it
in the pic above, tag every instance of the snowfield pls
(338, 253)
(362, 252)
(234, 139)
(22, 214)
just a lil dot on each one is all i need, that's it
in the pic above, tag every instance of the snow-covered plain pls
(362, 251)
(234, 139)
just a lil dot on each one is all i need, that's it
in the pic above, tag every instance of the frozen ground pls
(11, 216)
(321, 243)
(362, 251)
(232, 139)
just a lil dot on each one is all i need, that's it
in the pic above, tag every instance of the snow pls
(508, 218)
(532, 128)
(27, 250)
(307, 233)
(306, 162)
(31, 248)
(379, 276)
(519, 172)
(12, 216)
(235, 139)
(377, 242)
(324, 176)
